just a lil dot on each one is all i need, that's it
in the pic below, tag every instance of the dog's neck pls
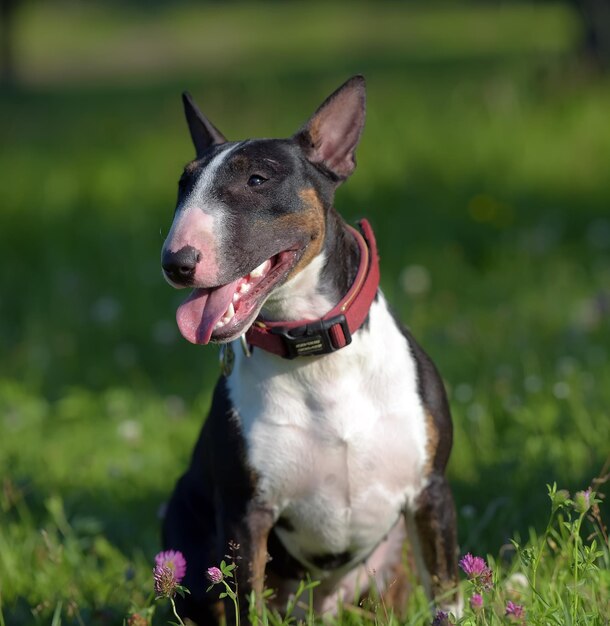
(323, 283)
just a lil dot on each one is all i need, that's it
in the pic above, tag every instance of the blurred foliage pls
(483, 169)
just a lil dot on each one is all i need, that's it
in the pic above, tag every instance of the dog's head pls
(251, 215)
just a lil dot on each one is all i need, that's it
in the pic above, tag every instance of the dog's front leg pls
(433, 534)
(249, 538)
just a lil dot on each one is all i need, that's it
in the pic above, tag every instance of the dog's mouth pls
(223, 313)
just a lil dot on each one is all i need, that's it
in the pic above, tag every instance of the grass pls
(483, 170)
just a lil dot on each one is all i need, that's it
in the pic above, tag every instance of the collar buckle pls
(318, 337)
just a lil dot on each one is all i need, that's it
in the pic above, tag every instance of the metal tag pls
(244, 346)
(227, 359)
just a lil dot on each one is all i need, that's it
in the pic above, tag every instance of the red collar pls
(335, 329)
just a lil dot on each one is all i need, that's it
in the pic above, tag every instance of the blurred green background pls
(484, 169)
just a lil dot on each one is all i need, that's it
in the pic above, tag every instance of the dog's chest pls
(338, 444)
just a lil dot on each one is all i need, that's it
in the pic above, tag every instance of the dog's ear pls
(203, 133)
(331, 135)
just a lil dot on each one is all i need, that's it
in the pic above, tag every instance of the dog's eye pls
(255, 180)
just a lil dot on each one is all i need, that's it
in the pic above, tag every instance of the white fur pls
(205, 181)
(300, 299)
(197, 217)
(338, 442)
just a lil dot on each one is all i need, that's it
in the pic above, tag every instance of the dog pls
(329, 431)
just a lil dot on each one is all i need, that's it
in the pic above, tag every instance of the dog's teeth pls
(244, 288)
(227, 317)
(235, 297)
(260, 270)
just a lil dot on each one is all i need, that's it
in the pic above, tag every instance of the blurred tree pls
(8, 9)
(595, 15)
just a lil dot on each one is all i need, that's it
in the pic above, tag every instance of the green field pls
(484, 170)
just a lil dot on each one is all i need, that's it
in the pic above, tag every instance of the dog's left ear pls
(203, 133)
(331, 135)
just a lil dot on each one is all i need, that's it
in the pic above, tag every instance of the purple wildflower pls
(473, 566)
(165, 581)
(476, 569)
(174, 560)
(214, 575)
(476, 602)
(441, 619)
(515, 611)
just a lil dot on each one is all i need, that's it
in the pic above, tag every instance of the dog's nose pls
(180, 266)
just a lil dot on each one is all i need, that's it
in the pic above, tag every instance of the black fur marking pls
(433, 394)
(431, 390)
(281, 562)
(339, 244)
(285, 524)
(330, 561)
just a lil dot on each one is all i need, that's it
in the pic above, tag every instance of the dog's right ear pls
(203, 133)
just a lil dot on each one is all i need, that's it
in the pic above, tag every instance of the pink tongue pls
(200, 312)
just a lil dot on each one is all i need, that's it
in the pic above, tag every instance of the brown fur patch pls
(259, 523)
(433, 438)
(309, 220)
